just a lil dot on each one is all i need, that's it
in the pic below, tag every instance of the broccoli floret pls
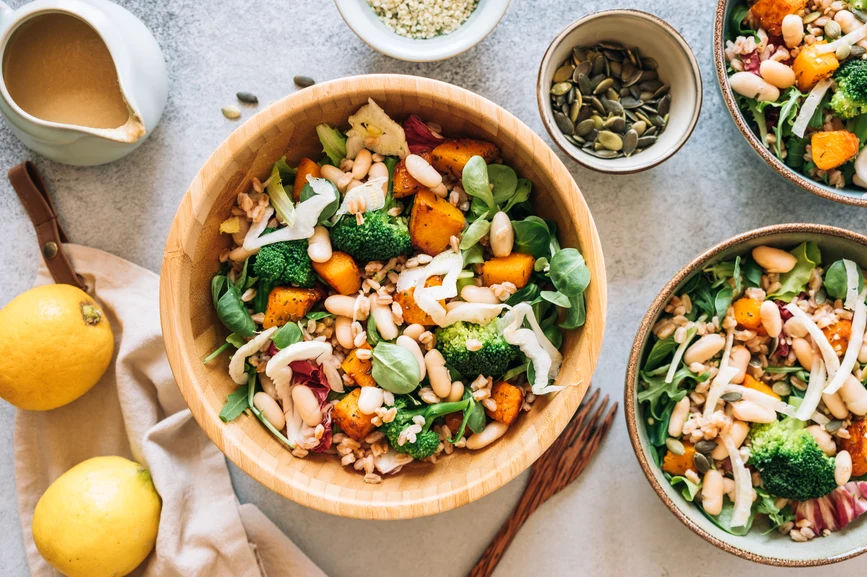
(380, 237)
(850, 99)
(790, 461)
(492, 360)
(285, 263)
(427, 441)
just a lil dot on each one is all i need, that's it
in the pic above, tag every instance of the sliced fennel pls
(848, 40)
(743, 483)
(678, 354)
(535, 345)
(814, 391)
(427, 298)
(859, 323)
(236, 365)
(280, 199)
(811, 103)
(370, 191)
(371, 121)
(852, 281)
(717, 389)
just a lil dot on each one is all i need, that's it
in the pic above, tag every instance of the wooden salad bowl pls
(191, 328)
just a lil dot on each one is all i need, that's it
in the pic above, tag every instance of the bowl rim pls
(391, 505)
(631, 407)
(401, 51)
(542, 90)
(735, 112)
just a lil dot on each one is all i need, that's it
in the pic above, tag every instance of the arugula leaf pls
(288, 334)
(788, 113)
(659, 352)
(236, 403)
(723, 301)
(657, 388)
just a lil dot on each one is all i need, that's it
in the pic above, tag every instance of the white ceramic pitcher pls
(141, 72)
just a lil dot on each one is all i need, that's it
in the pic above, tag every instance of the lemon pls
(99, 519)
(55, 344)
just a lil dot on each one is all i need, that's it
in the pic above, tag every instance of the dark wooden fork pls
(561, 464)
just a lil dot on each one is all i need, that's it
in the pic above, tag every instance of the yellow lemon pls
(99, 519)
(55, 344)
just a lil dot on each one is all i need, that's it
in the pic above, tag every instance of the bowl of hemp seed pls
(422, 30)
(619, 91)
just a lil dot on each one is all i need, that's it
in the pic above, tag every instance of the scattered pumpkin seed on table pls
(608, 100)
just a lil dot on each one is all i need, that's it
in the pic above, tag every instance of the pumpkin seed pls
(628, 102)
(616, 69)
(604, 153)
(570, 96)
(578, 55)
(701, 462)
(584, 127)
(832, 29)
(649, 75)
(650, 131)
(650, 85)
(648, 63)
(834, 425)
(812, 17)
(634, 76)
(860, 15)
(573, 140)
(663, 90)
(639, 127)
(575, 109)
(603, 85)
(610, 140)
(856, 51)
(645, 141)
(585, 68)
(231, 112)
(563, 123)
(303, 81)
(563, 73)
(613, 55)
(584, 85)
(675, 446)
(705, 446)
(586, 112)
(614, 107)
(842, 53)
(597, 121)
(664, 105)
(247, 97)
(615, 124)
(630, 142)
(597, 104)
(610, 44)
(612, 94)
(598, 64)
(732, 397)
(561, 88)
(782, 388)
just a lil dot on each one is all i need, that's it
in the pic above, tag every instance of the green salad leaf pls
(504, 180)
(795, 281)
(288, 334)
(236, 403)
(837, 280)
(660, 351)
(532, 236)
(394, 368)
(689, 490)
(474, 179)
(333, 143)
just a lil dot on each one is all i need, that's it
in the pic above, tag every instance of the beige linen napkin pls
(137, 412)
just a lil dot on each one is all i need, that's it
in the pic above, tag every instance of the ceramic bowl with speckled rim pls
(677, 67)
(848, 195)
(771, 549)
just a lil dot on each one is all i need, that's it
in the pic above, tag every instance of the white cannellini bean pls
(803, 352)
(422, 171)
(501, 235)
(738, 433)
(240, 254)
(384, 320)
(753, 412)
(343, 306)
(773, 259)
(795, 328)
(343, 332)
(777, 74)
(729, 487)
(823, 439)
(493, 431)
(269, 409)
(379, 170)
(414, 331)
(678, 417)
(438, 374)
(771, 318)
(704, 348)
(479, 295)
(319, 245)
(793, 30)
(712, 492)
(307, 405)
(862, 353)
(331, 173)
(835, 405)
(369, 400)
(752, 86)
(457, 392)
(362, 164)
(411, 345)
(352, 184)
(847, 21)
(740, 359)
(842, 468)
(854, 395)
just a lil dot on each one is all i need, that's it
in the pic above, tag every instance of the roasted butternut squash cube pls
(403, 184)
(810, 67)
(856, 444)
(359, 369)
(451, 156)
(771, 13)
(751, 382)
(515, 268)
(306, 167)
(350, 419)
(838, 335)
(509, 399)
(412, 314)
(679, 464)
(340, 272)
(748, 313)
(834, 148)
(289, 304)
(433, 222)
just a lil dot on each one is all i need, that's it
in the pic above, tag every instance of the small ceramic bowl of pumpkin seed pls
(619, 91)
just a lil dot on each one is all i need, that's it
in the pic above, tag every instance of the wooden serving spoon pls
(560, 465)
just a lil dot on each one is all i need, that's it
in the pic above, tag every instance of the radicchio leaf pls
(835, 510)
(752, 62)
(419, 136)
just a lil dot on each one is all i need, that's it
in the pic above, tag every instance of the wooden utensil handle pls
(495, 551)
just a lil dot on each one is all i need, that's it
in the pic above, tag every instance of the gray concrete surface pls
(610, 522)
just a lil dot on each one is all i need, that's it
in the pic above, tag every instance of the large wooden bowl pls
(191, 328)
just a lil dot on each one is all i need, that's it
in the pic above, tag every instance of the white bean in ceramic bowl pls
(677, 67)
(361, 18)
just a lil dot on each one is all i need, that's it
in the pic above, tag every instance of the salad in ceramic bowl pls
(394, 299)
